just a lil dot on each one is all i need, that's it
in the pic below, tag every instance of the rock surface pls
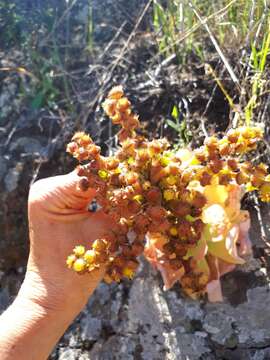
(138, 320)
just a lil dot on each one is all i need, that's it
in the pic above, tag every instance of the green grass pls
(10, 21)
(90, 28)
(178, 29)
(32, 33)
(184, 27)
(258, 66)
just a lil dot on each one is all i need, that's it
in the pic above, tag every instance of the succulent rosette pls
(180, 209)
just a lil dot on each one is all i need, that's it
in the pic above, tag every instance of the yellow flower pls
(265, 192)
(79, 265)
(171, 180)
(79, 250)
(165, 160)
(138, 198)
(169, 194)
(103, 174)
(173, 231)
(90, 256)
(194, 161)
(130, 160)
(70, 260)
(251, 132)
(129, 273)
(250, 187)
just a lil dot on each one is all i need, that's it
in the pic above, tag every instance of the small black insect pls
(94, 206)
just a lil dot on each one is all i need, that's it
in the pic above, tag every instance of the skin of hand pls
(58, 221)
(51, 295)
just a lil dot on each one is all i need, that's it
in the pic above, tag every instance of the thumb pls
(62, 192)
(76, 188)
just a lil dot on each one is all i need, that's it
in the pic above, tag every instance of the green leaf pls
(254, 57)
(199, 251)
(159, 18)
(226, 249)
(173, 125)
(37, 101)
(202, 266)
(175, 113)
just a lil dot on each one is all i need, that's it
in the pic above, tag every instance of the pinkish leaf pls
(153, 253)
(214, 291)
(245, 247)
(169, 275)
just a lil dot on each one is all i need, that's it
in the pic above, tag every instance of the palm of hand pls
(59, 220)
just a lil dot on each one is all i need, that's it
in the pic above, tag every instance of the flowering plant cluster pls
(180, 209)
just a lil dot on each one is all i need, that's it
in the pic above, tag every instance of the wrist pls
(18, 323)
(29, 328)
(61, 294)
(45, 294)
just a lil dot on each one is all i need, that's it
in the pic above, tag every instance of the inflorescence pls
(181, 209)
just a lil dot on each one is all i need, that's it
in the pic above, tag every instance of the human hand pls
(59, 220)
(51, 295)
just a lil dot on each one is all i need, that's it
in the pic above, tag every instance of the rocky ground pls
(133, 320)
(140, 321)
